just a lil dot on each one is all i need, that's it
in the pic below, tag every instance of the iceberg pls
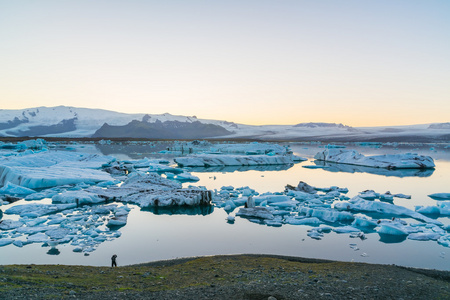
(388, 161)
(327, 215)
(347, 168)
(311, 221)
(16, 190)
(153, 190)
(213, 160)
(53, 168)
(391, 229)
(424, 236)
(5, 242)
(9, 224)
(440, 196)
(255, 212)
(77, 197)
(37, 209)
(359, 204)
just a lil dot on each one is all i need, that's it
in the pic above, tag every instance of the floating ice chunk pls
(428, 210)
(444, 240)
(37, 209)
(9, 224)
(270, 199)
(49, 193)
(354, 247)
(277, 222)
(301, 196)
(255, 148)
(304, 187)
(13, 189)
(444, 207)
(185, 176)
(284, 204)
(153, 190)
(389, 161)
(53, 168)
(57, 233)
(255, 212)
(346, 229)
(5, 242)
(327, 215)
(364, 222)
(78, 197)
(424, 236)
(391, 229)
(39, 237)
(369, 195)
(315, 233)
(34, 144)
(312, 221)
(19, 243)
(402, 196)
(212, 160)
(440, 196)
(231, 218)
(163, 168)
(359, 204)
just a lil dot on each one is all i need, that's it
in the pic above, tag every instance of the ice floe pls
(50, 169)
(388, 161)
(153, 190)
(214, 160)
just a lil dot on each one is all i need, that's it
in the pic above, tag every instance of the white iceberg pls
(153, 190)
(391, 229)
(9, 224)
(13, 189)
(440, 196)
(255, 212)
(77, 197)
(37, 209)
(53, 168)
(214, 160)
(5, 242)
(359, 204)
(388, 161)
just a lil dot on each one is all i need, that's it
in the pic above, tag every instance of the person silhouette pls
(113, 261)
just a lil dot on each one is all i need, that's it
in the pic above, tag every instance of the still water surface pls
(164, 234)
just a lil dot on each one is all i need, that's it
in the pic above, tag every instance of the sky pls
(360, 63)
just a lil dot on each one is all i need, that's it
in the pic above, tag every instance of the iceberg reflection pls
(202, 210)
(337, 167)
(231, 169)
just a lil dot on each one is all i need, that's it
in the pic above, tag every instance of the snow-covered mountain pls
(64, 121)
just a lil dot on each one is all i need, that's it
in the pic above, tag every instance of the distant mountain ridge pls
(161, 130)
(72, 122)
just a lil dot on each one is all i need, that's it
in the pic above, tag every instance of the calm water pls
(155, 235)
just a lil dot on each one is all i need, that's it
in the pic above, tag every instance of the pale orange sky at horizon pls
(357, 63)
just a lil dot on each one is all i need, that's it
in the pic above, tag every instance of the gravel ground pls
(225, 277)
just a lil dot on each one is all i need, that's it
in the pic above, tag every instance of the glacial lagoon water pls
(151, 235)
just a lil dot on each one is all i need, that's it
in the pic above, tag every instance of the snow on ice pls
(388, 161)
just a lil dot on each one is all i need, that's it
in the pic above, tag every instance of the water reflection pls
(53, 251)
(336, 167)
(231, 169)
(391, 239)
(202, 210)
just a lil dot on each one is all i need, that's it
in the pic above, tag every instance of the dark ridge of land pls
(225, 277)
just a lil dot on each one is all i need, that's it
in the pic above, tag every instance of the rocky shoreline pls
(225, 277)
